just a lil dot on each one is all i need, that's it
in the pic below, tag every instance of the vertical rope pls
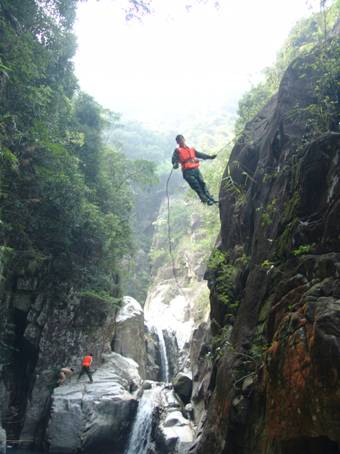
(169, 237)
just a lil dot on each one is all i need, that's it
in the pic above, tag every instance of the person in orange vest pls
(85, 367)
(188, 158)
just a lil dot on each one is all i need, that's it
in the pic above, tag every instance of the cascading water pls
(141, 433)
(140, 438)
(163, 354)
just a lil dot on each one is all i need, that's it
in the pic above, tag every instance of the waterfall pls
(141, 433)
(163, 355)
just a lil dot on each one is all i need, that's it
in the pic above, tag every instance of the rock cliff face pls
(274, 387)
(129, 333)
(35, 327)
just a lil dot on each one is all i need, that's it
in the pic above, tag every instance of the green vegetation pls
(102, 297)
(303, 249)
(220, 342)
(268, 213)
(323, 68)
(225, 274)
(267, 265)
(305, 35)
(65, 197)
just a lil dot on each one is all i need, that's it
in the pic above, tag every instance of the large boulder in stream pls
(183, 386)
(98, 415)
(129, 334)
(173, 432)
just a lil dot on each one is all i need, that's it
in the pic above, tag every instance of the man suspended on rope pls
(188, 158)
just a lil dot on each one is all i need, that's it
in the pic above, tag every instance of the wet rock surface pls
(274, 386)
(153, 356)
(2, 441)
(172, 432)
(95, 415)
(183, 387)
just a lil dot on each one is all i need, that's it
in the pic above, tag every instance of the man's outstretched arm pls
(205, 156)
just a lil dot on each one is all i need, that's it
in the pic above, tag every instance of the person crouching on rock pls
(85, 368)
(64, 373)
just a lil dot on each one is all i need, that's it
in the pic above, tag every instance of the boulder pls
(175, 418)
(189, 411)
(147, 384)
(129, 335)
(173, 432)
(2, 441)
(183, 386)
(89, 416)
(153, 358)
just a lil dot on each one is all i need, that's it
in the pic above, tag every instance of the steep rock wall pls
(275, 280)
(42, 329)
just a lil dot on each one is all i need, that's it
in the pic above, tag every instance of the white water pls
(174, 315)
(141, 433)
(163, 354)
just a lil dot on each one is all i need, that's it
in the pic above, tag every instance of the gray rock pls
(291, 309)
(175, 418)
(147, 384)
(129, 335)
(174, 433)
(200, 357)
(248, 384)
(94, 415)
(189, 411)
(183, 386)
(153, 360)
(2, 441)
(71, 326)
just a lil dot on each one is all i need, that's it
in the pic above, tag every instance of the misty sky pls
(178, 61)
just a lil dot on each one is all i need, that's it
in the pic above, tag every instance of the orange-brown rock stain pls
(290, 363)
(296, 394)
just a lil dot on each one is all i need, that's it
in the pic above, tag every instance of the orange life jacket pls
(87, 361)
(187, 158)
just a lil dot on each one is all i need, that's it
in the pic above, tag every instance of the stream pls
(141, 432)
(140, 438)
(163, 354)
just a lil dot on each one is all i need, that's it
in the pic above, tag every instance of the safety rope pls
(225, 147)
(169, 238)
(169, 221)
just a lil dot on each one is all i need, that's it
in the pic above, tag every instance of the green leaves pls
(7, 157)
(305, 36)
(66, 198)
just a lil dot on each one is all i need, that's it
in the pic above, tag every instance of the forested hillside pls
(66, 197)
(90, 209)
